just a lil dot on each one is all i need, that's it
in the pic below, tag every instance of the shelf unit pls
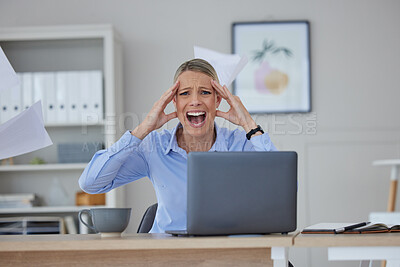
(54, 209)
(42, 167)
(65, 48)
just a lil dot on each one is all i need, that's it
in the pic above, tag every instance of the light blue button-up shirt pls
(159, 157)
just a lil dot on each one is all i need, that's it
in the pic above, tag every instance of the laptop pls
(241, 193)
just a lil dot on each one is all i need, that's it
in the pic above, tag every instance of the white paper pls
(227, 66)
(24, 133)
(8, 77)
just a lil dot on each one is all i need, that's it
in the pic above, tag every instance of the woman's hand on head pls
(156, 118)
(238, 113)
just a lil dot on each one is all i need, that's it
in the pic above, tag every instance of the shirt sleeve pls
(120, 164)
(237, 141)
(262, 143)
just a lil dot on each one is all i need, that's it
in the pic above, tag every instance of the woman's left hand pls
(238, 113)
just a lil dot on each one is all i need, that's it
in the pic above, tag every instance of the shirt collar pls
(219, 144)
(173, 143)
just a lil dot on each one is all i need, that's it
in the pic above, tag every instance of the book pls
(17, 197)
(70, 225)
(370, 228)
(18, 200)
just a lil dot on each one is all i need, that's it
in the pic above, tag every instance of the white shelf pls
(43, 167)
(75, 47)
(58, 32)
(50, 209)
(51, 125)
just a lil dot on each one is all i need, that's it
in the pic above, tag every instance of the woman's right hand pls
(157, 117)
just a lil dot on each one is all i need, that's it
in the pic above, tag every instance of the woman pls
(196, 95)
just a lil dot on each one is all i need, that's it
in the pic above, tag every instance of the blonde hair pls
(199, 65)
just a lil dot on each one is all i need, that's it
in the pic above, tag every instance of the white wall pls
(355, 87)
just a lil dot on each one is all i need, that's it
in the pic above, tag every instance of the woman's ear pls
(218, 101)
(174, 101)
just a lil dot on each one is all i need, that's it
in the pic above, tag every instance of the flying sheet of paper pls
(24, 133)
(8, 77)
(227, 66)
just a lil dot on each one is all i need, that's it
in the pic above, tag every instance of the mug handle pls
(86, 211)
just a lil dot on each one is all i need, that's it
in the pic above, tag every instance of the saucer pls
(106, 235)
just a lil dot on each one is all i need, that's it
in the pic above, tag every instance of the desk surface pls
(347, 240)
(165, 241)
(138, 242)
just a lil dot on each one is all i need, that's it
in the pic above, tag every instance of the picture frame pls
(277, 78)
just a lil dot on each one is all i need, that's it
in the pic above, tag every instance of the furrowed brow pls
(185, 88)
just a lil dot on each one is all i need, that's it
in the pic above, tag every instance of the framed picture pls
(277, 78)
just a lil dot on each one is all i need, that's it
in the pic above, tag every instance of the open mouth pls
(196, 119)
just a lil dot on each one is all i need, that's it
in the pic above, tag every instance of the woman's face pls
(196, 102)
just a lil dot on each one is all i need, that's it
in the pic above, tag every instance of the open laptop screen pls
(241, 192)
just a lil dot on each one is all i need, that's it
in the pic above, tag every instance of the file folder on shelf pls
(68, 97)
(51, 104)
(42, 83)
(97, 95)
(4, 106)
(62, 97)
(73, 91)
(85, 85)
(15, 99)
(26, 89)
(91, 100)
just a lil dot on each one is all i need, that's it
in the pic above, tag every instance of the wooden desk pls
(362, 247)
(144, 249)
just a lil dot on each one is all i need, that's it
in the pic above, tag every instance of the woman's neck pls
(191, 143)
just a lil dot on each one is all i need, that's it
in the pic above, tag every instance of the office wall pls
(355, 88)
